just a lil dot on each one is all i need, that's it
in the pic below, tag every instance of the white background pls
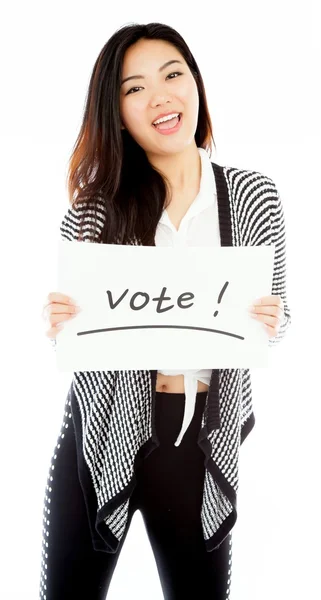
(260, 63)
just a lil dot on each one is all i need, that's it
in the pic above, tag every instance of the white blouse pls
(199, 227)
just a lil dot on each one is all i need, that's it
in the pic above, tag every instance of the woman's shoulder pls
(248, 183)
(245, 173)
(83, 220)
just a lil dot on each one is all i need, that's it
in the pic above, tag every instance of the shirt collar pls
(207, 193)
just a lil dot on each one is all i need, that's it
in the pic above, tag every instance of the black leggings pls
(168, 494)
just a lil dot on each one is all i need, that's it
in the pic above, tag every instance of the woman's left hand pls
(269, 310)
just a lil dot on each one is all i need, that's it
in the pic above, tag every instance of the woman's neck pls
(183, 170)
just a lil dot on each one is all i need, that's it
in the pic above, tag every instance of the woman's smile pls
(168, 127)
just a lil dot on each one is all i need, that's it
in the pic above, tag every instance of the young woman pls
(162, 442)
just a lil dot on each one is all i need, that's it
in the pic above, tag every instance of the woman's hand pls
(269, 310)
(58, 309)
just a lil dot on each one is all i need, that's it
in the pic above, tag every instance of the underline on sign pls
(240, 337)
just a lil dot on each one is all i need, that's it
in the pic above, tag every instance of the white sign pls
(146, 307)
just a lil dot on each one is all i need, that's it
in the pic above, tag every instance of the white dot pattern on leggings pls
(46, 511)
(230, 568)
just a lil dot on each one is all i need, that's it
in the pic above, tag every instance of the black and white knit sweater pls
(114, 411)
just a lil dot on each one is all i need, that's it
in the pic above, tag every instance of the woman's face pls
(171, 90)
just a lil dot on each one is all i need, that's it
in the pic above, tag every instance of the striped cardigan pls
(114, 411)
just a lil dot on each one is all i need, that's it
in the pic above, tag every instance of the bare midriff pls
(174, 384)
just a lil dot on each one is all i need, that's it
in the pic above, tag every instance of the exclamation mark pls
(220, 296)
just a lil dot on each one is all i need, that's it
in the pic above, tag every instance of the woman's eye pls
(137, 88)
(174, 73)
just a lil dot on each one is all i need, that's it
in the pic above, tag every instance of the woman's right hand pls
(58, 308)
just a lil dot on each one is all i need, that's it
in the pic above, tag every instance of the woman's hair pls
(107, 164)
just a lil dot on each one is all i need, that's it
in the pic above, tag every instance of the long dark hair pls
(107, 163)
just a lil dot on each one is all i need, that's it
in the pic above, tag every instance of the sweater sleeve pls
(279, 267)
